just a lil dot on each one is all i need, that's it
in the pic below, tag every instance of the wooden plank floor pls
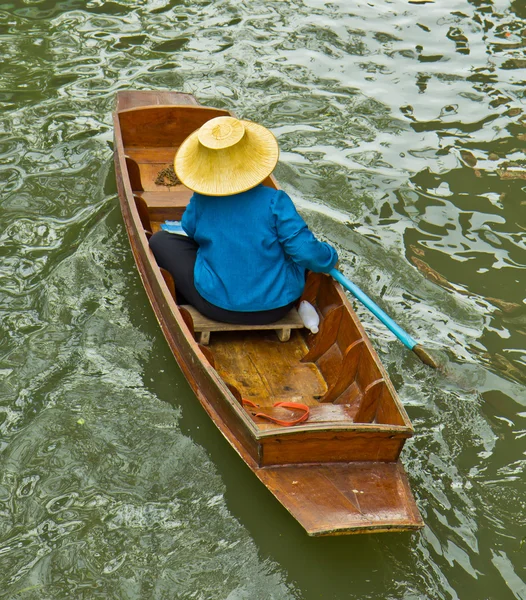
(266, 370)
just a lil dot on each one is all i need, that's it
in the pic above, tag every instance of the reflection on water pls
(402, 128)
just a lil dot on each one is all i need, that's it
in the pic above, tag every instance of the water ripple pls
(402, 130)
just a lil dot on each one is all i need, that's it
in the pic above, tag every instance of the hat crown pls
(226, 156)
(221, 132)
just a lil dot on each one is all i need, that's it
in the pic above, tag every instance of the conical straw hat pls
(226, 156)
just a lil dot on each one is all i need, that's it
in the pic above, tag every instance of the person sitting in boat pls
(246, 249)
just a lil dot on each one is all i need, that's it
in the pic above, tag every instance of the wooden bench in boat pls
(203, 326)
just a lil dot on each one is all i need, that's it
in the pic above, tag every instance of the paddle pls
(402, 335)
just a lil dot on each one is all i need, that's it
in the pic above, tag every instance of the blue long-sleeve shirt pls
(253, 249)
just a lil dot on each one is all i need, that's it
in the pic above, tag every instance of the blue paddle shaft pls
(403, 336)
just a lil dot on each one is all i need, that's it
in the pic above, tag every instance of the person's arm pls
(297, 240)
(188, 222)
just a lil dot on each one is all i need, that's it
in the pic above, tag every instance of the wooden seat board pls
(156, 155)
(291, 320)
(175, 198)
(266, 370)
(165, 205)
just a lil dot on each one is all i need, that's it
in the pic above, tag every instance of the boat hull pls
(334, 478)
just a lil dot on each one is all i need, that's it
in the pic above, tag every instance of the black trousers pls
(177, 254)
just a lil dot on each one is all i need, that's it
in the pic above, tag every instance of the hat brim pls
(227, 171)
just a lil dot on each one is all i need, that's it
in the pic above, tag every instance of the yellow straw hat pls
(226, 156)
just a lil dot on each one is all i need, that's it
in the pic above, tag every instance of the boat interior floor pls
(265, 371)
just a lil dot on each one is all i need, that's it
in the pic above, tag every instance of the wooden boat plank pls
(175, 199)
(136, 98)
(325, 413)
(168, 205)
(202, 323)
(152, 155)
(265, 370)
(325, 338)
(351, 396)
(333, 499)
(330, 364)
(149, 171)
(346, 376)
(387, 413)
(370, 400)
(162, 126)
(332, 445)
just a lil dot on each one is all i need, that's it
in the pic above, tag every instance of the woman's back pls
(253, 249)
(247, 248)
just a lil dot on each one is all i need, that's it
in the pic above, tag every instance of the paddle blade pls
(425, 357)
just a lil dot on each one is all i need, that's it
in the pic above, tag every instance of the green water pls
(402, 129)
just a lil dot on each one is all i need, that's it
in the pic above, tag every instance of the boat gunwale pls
(337, 427)
(252, 427)
(169, 106)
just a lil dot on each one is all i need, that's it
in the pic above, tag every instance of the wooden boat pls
(338, 472)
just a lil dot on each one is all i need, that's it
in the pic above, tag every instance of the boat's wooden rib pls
(339, 471)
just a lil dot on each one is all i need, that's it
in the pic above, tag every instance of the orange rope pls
(290, 405)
